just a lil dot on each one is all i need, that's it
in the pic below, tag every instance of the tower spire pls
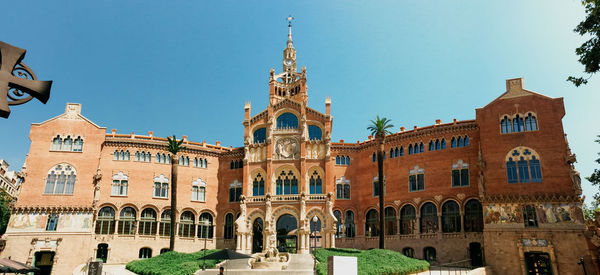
(290, 44)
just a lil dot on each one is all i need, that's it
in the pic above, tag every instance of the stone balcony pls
(286, 198)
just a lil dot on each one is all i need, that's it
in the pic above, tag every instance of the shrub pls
(168, 263)
(373, 261)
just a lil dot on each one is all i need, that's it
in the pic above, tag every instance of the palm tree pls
(379, 128)
(174, 147)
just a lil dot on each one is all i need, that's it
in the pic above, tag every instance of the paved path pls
(300, 264)
(116, 269)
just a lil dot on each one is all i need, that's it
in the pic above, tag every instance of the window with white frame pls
(161, 187)
(119, 184)
(235, 191)
(67, 144)
(342, 188)
(416, 179)
(121, 155)
(61, 179)
(460, 174)
(198, 190)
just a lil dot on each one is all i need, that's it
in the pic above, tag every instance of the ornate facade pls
(499, 190)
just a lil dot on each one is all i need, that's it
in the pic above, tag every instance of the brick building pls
(500, 189)
(10, 181)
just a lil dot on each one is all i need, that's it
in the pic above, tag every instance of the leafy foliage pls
(171, 263)
(174, 146)
(372, 262)
(380, 126)
(589, 51)
(5, 201)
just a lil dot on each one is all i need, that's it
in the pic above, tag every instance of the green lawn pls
(175, 263)
(372, 262)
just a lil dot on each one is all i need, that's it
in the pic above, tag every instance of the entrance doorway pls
(476, 255)
(287, 231)
(538, 263)
(102, 252)
(44, 261)
(257, 235)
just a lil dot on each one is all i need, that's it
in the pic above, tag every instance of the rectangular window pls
(464, 177)
(376, 189)
(52, 222)
(455, 178)
(412, 182)
(161, 190)
(421, 181)
(511, 172)
(523, 171)
(536, 172)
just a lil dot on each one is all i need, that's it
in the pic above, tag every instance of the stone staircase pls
(300, 264)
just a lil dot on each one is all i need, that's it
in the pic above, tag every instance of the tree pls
(174, 147)
(5, 202)
(379, 128)
(590, 211)
(595, 177)
(589, 51)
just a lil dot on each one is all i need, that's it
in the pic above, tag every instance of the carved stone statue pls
(576, 178)
(286, 148)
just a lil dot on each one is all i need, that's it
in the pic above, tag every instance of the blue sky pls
(187, 67)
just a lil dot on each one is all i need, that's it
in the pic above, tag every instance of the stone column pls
(417, 224)
(462, 222)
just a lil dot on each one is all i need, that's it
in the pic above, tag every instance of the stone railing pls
(429, 236)
(286, 130)
(408, 237)
(295, 197)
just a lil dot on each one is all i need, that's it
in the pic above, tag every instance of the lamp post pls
(205, 233)
(314, 229)
(582, 263)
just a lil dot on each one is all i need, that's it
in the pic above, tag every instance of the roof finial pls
(289, 19)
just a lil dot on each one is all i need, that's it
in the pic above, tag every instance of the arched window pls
(349, 224)
(450, 217)
(390, 221)
(530, 123)
(374, 157)
(337, 160)
(186, 225)
(315, 183)
(431, 146)
(286, 183)
(165, 223)
(157, 158)
(232, 165)
(105, 224)
(437, 144)
(164, 250)
(78, 145)
(401, 151)
(338, 225)
(205, 226)
(453, 142)
(518, 124)
(526, 169)
(228, 227)
(372, 223)
(198, 190)
(258, 186)
(145, 253)
(407, 220)
(56, 143)
(410, 149)
(429, 218)
(102, 252)
(260, 135)
(459, 142)
(429, 254)
(342, 188)
(287, 121)
(466, 141)
(443, 143)
(396, 152)
(314, 132)
(343, 160)
(126, 221)
(408, 252)
(421, 148)
(148, 222)
(126, 155)
(120, 183)
(505, 125)
(116, 155)
(235, 191)
(67, 144)
(347, 160)
(161, 187)
(61, 180)
(473, 216)
(529, 216)
(391, 153)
